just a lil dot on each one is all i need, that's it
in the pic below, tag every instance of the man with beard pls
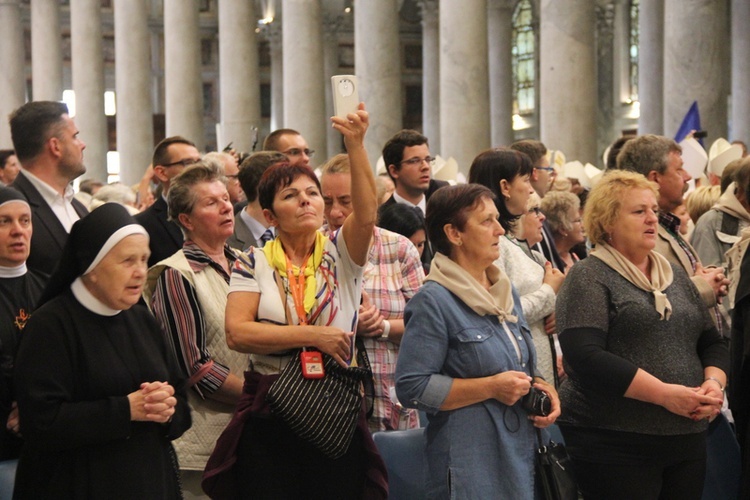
(51, 153)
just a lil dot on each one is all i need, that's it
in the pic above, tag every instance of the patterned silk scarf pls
(275, 256)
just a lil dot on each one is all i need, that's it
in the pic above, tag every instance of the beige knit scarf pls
(497, 301)
(661, 274)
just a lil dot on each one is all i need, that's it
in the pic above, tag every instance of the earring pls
(460, 243)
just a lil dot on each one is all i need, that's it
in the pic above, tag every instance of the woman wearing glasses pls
(563, 211)
(507, 174)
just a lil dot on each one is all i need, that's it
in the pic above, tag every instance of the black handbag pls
(554, 470)
(321, 411)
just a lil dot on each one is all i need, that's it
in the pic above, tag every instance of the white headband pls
(113, 240)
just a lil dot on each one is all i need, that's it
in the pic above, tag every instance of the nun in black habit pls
(99, 395)
(20, 289)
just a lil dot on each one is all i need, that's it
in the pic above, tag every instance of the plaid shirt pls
(671, 223)
(392, 276)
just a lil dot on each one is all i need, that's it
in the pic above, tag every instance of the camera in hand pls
(537, 402)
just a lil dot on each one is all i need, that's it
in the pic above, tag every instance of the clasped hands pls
(695, 403)
(715, 277)
(153, 402)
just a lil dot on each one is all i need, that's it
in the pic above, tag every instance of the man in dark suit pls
(51, 153)
(171, 156)
(250, 225)
(409, 164)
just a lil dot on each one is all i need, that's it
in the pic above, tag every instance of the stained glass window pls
(524, 59)
(633, 52)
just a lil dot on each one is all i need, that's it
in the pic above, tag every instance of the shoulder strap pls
(729, 223)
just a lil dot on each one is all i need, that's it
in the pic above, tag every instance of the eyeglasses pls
(546, 169)
(298, 152)
(233, 177)
(577, 221)
(413, 162)
(185, 163)
(536, 211)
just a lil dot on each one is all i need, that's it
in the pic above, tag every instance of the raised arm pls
(358, 226)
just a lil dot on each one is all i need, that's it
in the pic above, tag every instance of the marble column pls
(304, 86)
(620, 50)
(431, 73)
(568, 78)
(135, 128)
(740, 70)
(12, 77)
(273, 34)
(239, 70)
(330, 68)
(696, 64)
(46, 51)
(651, 66)
(606, 62)
(500, 31)
(157, 74)
(182, 71)
(464, 80)
(378, 68)
(88, 84)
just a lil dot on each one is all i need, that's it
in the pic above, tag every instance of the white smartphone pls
(345, 94)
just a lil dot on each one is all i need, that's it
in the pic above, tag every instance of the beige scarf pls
(497, 301)
(661, 274)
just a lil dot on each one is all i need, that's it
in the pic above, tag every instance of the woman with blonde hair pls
(701, 200)
(635, 418)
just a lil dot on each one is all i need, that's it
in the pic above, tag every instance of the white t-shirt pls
(337, 275)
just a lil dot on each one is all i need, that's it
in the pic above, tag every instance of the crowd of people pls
(146, 330)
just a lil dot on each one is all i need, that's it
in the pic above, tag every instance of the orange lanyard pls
(297, 286)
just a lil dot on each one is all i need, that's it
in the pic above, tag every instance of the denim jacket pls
(484, 450)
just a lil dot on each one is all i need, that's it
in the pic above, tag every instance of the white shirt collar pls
(87, 300)
(49, 193)
(13, 272)
(422, 205)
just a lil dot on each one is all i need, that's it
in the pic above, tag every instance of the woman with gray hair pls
(563, 212)
(116, 193)
(187, 293)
